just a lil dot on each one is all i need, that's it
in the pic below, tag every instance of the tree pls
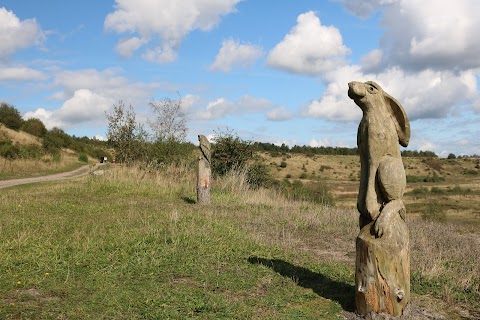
(10, 116)
(170, 121)
(451, 156)
(34, 127)
(125, 135)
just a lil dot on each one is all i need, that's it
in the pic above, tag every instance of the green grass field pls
(134, 245)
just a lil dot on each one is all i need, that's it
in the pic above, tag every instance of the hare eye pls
(371, 88)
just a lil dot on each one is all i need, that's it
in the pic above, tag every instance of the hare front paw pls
(381, 224)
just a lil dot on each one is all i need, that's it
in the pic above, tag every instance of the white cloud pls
(16, 34)
(108, 83)
(84, 107)
(88, 93)
(126, 47)
(420, 35)
(425, 94)
(189, 101)
(279, 114)
(309, 47)
(233, 53)
(327, 142)
(20, 74)
(440, 35)
(164, 23)
(45, 115)
(372, 60)
(100, 138)
(222, 107)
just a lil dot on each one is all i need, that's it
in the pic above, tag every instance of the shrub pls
(8, 150)
(470, 172)
(10, 116)
(230, 152)
(83, 157)
(258, 176)
(34, 127)
(434, 212)
(415, 179)
(419, 191)
(168, 152)
(283, 164)
(303, 175)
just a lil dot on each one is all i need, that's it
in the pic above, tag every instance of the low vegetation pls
(276, 243)
(131, 244)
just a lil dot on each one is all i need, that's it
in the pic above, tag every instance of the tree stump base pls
(203, 181)
(382, 278)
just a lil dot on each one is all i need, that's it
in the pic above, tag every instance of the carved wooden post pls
(382, 275)
(204, 174)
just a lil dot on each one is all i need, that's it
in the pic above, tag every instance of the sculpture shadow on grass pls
(341, 292)
(189, 200)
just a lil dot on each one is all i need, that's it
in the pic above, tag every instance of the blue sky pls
(273, 71)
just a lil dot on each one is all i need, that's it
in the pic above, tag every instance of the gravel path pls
(58, 176)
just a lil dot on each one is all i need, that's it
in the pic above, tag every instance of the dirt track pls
(59, 176)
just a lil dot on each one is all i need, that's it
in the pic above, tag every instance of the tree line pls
(312, 151)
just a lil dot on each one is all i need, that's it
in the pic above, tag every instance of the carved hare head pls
(371, 98)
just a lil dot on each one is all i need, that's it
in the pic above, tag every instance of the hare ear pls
(401, 121)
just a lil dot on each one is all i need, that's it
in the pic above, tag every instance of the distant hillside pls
(18, 137)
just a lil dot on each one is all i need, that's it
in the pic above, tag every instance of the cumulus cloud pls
(309, 47)
(233, 53)
(372, 60)
(222, 107)
(126, 47)
(425, 94)
(20, 74)
(87, 94)
(84, 107)
(163, 23)
(16, 34)
(279, 114)
(109, 83)
(45, 115)
(432, 34)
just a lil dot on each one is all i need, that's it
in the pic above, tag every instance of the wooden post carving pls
(204, 174)
(382, 273)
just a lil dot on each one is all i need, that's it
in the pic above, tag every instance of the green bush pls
(434, 212)
(419, 191)
(8, 150)
(258, 176)
(230, 152)
(433, 178)
(283, 164)
(168, 152)
(31, 151)
(83, 157)
(34, 127)
(10, 116)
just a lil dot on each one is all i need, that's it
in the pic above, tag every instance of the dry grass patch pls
(18, 137)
